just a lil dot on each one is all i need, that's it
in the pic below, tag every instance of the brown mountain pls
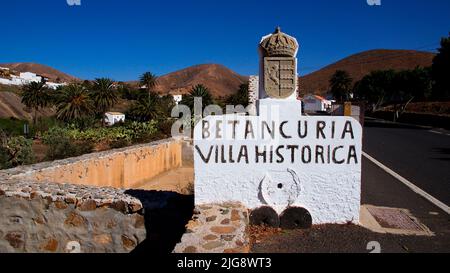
(220, 80)
(363, 63)
(40, 69)
(11, 106)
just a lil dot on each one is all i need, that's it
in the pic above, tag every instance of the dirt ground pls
(179, 180)
(344, 239)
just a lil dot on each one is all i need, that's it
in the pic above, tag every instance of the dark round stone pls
(295, 218)
(264, 216)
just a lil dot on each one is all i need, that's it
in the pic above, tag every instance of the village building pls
(25, 78)
(177, 98)
(316, 104)
(30, 77)
(112, 118)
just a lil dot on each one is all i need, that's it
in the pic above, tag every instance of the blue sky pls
(122, 39)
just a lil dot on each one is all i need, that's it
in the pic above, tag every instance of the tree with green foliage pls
(167, 103)
(149, 80)
(375, 88)
(198, 91)
(35, 95)
(441, 71)
(129, 92)
(74, 104)
(146, 108)
(340, 85)
(104, 96)
(241, 97)
(408, 86)
(61, 145)
(399, 89)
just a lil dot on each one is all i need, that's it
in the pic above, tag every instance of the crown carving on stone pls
(279, 44)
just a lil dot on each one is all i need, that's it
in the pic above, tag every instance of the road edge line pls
(410, 185)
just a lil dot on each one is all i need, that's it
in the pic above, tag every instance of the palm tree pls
(35, 95)
(147, 108)
(198, 91)
(74, 103)
(104, 96)
(150, 80)
(241, 97)
(340, 85)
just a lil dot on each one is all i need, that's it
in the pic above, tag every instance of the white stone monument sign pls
(279, 158)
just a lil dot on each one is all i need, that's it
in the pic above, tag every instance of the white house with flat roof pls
(177, 98)
(315, 103)
(30, 77)
(112, 118)
(26, 78)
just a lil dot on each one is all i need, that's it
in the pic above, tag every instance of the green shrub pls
(12, 126)
(165, 127)
(142, 131)
(15, 151)
(61, 145)
(44, 124)
(69, 141)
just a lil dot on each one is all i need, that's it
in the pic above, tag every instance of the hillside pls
(223, 82)
(40, 69)
(220, 80)
(363, 63)
(11, 107)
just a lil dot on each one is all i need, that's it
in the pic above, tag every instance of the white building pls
(315, 103)
(30, 77)
(26, 78)
(112, 118)
(177, 98)
(54, 86)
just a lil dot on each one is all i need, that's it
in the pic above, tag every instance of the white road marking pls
(439, 133)
(410, 185)
(436, 132)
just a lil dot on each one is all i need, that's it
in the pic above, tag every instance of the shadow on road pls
(166, 215)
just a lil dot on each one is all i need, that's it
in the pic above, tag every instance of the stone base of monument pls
(217, 228)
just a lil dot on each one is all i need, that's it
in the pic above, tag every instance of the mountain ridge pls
(40, 69)
(223, 81)
(360, 64)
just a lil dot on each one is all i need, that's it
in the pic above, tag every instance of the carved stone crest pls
(280, 76)
(280, 65)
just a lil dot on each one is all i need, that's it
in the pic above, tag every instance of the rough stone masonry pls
(52, 217)
(71, 206)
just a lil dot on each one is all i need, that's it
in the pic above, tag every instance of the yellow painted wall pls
(122, 169)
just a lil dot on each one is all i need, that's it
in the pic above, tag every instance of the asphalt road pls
(421, 155)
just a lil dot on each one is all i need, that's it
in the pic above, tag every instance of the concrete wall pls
(122, 168)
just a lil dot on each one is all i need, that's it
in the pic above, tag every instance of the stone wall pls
(53, 217)
(217, 228)
(253, 89)
(40, 212)
(121, 168)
